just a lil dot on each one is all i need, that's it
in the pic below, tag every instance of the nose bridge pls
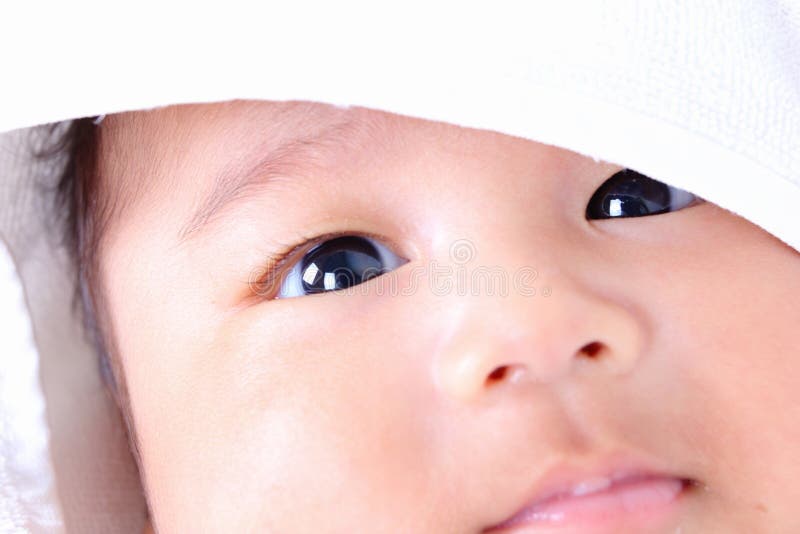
(543, 328)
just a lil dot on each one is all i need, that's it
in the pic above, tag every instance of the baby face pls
(308, 305)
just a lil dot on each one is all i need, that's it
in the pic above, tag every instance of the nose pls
(495, 340)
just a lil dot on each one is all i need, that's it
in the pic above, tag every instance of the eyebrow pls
(242, 178)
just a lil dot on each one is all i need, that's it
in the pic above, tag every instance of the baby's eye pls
(338, 263)
(630, 194)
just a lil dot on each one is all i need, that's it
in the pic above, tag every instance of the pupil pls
(340, 263)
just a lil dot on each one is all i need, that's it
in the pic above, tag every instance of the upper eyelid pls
(278, 261)
(604, 178)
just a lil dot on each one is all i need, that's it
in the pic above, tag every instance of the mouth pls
(599, 500)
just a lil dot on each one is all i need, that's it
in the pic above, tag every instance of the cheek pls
(720, 375)
(733, 316)
(290, 401)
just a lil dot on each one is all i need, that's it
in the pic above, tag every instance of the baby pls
(325, 319)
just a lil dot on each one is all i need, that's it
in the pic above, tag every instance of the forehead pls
(194, 160)
(172, 141)
(194, 154)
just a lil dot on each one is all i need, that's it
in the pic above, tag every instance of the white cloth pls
(95, 488)
(701, 94)
(27, 496)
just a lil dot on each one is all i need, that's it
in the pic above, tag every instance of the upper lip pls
(580, 478)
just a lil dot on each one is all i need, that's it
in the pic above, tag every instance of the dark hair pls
(82, 213)
(72, 145)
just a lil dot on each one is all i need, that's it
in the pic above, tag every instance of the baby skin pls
(294, 312)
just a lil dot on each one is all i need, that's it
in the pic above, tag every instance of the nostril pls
(511, 373)
(497, 374)
(592, 349)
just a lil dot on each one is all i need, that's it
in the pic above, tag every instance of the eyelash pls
(270, 283)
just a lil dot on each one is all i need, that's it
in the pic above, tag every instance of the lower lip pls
(624, 505)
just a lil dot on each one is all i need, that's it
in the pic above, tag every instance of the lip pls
(617, 492)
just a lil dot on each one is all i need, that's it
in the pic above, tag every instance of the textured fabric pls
(86, 463)
(27, 495)
(702, 94)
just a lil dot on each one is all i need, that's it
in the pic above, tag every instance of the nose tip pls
(539, 342)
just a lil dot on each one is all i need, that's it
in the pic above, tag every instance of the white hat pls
(704, 96)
